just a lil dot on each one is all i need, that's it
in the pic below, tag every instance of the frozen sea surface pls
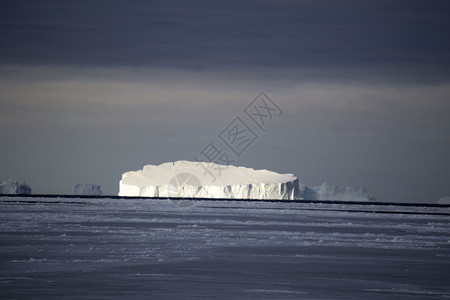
(100, 248)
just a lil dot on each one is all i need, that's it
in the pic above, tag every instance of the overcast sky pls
(91, 89)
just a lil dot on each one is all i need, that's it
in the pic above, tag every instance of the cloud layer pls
(200, 35)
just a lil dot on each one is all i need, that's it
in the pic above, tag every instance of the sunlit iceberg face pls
(207, 180)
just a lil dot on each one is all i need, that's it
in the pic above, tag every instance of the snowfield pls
(102, 248)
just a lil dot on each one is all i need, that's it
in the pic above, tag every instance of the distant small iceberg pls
(334, 193)
(13, 187)
(444, 200)
(87, 189)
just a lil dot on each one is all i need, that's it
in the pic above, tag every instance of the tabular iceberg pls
(87, 189)
(13, 187)
(207, 180)
(333, 192)
(444, 200)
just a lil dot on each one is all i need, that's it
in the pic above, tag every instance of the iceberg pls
(12, 187)
(444, 200)
(87, 189)
(207, 180)
(333, 192)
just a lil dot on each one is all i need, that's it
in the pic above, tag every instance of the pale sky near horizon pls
(89, 90)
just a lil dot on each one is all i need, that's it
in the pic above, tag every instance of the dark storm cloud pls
(213, 34)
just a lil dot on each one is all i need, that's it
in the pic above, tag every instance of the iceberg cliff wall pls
(194, 180)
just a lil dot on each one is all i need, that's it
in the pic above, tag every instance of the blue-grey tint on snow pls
(139, 249)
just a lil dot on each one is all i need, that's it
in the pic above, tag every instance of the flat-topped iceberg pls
(333, 192)
(12, 187)
(444, 200)
(207, 180)
(87, 189)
